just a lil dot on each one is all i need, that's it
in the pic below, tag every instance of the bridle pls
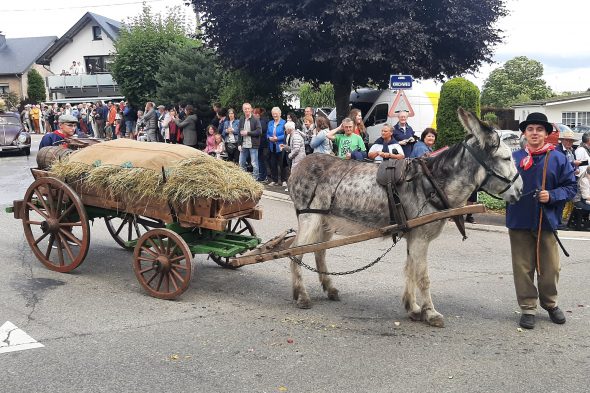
(490, 172)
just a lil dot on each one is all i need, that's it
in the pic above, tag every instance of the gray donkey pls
(335, 196)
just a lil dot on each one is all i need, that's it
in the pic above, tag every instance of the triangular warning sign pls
(400, 103)
(14, 339)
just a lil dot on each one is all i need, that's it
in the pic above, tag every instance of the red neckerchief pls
(59, 134)
(527, 162)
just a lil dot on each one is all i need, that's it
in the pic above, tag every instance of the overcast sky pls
(546, 30)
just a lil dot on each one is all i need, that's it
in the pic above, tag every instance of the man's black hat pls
(536, 118)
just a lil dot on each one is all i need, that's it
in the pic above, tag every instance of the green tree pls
(36, 88)
(518, 80)
(457, 92)
(239, 86)
(12, 100)
(189, 74)
(138, 51)
(316, 97)
(351, 42)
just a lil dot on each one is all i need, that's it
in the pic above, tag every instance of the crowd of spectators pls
(268, 147)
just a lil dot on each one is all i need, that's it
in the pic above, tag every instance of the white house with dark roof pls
(90, 42)
(17, 58)
(572, 110)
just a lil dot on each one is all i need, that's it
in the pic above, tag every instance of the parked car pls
(510, 138)
(581, 129)
(12, 133)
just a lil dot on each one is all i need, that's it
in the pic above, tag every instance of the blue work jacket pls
(560, 183)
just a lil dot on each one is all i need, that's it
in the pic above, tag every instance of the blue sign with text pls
(398, 82)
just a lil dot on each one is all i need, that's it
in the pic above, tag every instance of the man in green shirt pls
(350, 145)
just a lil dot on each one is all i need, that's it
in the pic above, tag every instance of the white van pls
(375, 106)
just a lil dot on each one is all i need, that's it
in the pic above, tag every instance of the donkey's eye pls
(507, 158)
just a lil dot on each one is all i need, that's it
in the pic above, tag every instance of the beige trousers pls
(523, 244)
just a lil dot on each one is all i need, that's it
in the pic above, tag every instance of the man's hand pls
(243, 133)
(543, 196)
(239, 147)
(403, 143)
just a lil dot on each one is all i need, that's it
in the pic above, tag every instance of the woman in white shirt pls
(386, 147)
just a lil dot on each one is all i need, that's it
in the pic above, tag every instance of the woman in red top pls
(359, 127)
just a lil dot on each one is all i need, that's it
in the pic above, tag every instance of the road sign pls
(400, 103)
(397, 82)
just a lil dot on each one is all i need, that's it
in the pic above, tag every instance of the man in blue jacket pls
(539, 206)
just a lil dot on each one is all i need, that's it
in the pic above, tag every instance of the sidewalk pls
(485, 222)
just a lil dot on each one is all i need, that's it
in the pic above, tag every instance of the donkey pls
(335, 196)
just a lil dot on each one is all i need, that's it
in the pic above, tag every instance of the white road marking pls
(14, 339)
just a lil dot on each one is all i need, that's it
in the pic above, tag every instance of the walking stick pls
(543, 181)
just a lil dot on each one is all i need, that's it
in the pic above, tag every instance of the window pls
(583, 118)
(96, 64)
(96, 33)
(568, 118)
(378, 115)
(573, 119)
(4, 90)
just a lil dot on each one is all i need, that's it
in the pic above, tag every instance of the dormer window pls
(96, 33)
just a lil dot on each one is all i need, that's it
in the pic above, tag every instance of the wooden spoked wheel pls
(130, 227)
(55, 224)
(239, 226)
(162, 263)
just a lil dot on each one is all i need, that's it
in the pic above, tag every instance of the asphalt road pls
(240, 330)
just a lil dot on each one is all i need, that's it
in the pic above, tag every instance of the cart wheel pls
(130, 227)
(55, 224)
(162, 263)
(239, 226)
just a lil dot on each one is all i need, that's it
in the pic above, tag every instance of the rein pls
(459, 221)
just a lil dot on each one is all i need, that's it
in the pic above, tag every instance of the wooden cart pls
(164, 237)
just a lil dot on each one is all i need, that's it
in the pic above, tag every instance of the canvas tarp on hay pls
(131, 170)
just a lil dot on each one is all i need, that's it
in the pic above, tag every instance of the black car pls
(12, 134)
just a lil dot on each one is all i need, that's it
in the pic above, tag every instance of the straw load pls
(124, 169)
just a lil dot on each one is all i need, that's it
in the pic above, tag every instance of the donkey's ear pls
(481, 131)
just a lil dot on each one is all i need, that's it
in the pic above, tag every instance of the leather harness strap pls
(443, 197)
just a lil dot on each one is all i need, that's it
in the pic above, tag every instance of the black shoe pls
(469, 218)
(527, 321)
(556, 316)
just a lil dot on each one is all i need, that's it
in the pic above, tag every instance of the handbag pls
(230, 148)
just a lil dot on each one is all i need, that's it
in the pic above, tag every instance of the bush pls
(36, 88)
(491, 203)
(491, 118)
(455, 93)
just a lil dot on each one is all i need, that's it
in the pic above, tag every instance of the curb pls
(277, 196)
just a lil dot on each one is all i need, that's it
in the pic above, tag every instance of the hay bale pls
(187, 178)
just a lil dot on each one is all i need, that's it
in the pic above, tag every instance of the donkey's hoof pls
(304, 303)
(415, 316)
(333, 294)
(436, 321)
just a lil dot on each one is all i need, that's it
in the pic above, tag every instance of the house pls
(572, 110)
(89, 42)
(17, 58)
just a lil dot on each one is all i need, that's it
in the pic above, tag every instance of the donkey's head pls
(498, 171)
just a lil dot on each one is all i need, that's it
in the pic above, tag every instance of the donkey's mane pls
(443, 164)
